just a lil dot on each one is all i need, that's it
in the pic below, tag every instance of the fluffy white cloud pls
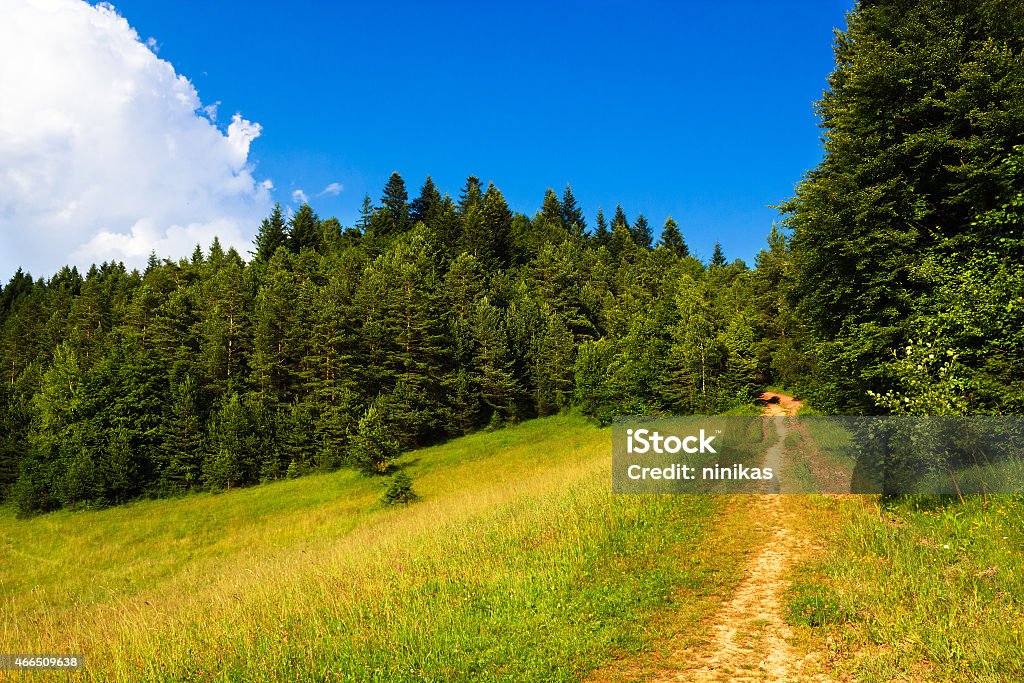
(106, 152)
(334, 189)
(300, 196)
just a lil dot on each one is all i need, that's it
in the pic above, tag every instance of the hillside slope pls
(516, 564)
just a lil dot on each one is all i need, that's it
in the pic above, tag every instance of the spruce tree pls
(425, 207)
(499, 387)
(366, 211)
(623, 244)
(642, 234)
(182, 439)
(488, 234)
(717, 257)
(572, 214)
(396, 204)
(551, 210)
(304, 230)
(373, 448)
(672, 238)
(272, 234)
(602, 237)
(471, 195)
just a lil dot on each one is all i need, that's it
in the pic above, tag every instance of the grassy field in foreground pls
(516, 564)
(924, 589)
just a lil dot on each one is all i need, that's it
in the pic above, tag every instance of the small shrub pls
(398, 491)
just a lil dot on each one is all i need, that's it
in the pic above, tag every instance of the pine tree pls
(330, 235)
(425, 207)
(488, 229)
(272, 234)
(552, 367)
(551, 210)
(642, 234)
(623, 244)
(499, 388)
(396, 205)
(224, 340)
(296, 441)
(717, 257)
(182, 439)
(366, 211)
(304, 230)
(232, 457)
(447, 228)
(572, 214)
(672, 239)
(602, 237)
(471, 195)
(216, 256)
(274, 360)
(373, 449)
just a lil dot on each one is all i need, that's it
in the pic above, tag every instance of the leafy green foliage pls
(917, 201)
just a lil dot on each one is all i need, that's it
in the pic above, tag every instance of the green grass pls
(515, 564)
(925, 589)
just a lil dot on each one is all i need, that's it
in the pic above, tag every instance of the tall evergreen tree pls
(304, 229)
(396, 204)
(602, 237)
(373, 447)
(425, 207)
(642, 234)
(717, 257)
(551, 210)
(488, 229)
(182, 442)
(672, 238)
(572, 213)
(471, 196)
(619, 220)
(272, 234)
(366, 210)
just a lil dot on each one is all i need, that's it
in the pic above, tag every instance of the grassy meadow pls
(515, 564)
(922, 589)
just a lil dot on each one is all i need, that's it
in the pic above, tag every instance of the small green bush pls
(398, 491)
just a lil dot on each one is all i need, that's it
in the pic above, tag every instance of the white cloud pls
(334, 189)
(300, 196)
(106, 152)
(211, 111)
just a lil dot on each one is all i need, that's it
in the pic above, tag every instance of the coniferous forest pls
(894, 282)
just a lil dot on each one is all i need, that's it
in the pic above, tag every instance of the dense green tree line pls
(895, 286)
(339, 347)
(908, 238)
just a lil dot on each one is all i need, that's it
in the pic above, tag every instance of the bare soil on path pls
(748, 640)
(774, 404)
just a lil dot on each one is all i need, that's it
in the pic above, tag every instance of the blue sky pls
(699, 110)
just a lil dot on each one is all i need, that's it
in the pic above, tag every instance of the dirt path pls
(747, 639)
(778, 405)
(749, 634)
